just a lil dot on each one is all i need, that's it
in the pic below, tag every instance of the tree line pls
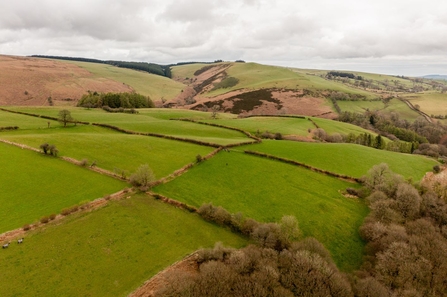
(162, 70)
(431, 138)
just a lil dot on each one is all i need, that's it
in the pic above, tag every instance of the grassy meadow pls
(333, 157)
(98, 249)
(108, 252)
(35, 185)
(147, 121)
(114, 150)
(286, 126)
(290, 126)
(432, 103)
(266, 190)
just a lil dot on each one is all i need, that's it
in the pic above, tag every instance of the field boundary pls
(158, 135)
(248, 134)
(149, 287)
(183, 170)
(296, 163)
(171, 201)
(89, 206)
(276, 116)
(42, 116)
(67, 159)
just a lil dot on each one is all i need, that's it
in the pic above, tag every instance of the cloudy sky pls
(401, 37)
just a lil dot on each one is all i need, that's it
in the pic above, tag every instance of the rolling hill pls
(113, 247)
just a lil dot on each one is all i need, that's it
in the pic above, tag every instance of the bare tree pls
(214, 111)
(142, 177)
(65, 116)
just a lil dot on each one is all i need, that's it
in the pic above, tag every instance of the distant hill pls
(435, 76)
(39, 82)
(233, 87)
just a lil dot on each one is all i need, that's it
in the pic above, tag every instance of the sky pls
(398, 37)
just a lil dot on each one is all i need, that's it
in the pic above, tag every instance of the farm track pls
(411, 106)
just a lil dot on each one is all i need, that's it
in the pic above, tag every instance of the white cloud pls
(325, 32)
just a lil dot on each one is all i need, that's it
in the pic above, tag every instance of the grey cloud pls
(280, 31)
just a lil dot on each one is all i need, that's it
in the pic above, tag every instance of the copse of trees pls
(115, 100)
(301, 270)
(343, 74)
(277, 265)
(406, 235)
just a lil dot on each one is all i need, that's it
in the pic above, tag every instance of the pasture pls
(107, 252)
(290, 126)
(432, 103)
(345, 158)
(266, 190)
(35, 185)
(147, 122)
(286, 126)
(24, 122)
(154, 86)
(113, 150)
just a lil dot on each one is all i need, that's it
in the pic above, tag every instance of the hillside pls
(250, 88)
(31, 81)
(238, 88)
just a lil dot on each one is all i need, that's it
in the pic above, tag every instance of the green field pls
(344, 158)
(266, 190)
(432, 103)
(148, 121)
(286, 126)
(112, 149)
(35, 185)
(108, 252)
(23, 122)
(290, 126)
(154, 86)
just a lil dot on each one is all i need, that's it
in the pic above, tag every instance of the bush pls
(52, 216)
(83, 162)
(45, 220)
(26, 227)
(67, 211)
(143, 177)
(436, 169)
(199, 158)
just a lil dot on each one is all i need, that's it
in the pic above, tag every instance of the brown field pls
(30, 81)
